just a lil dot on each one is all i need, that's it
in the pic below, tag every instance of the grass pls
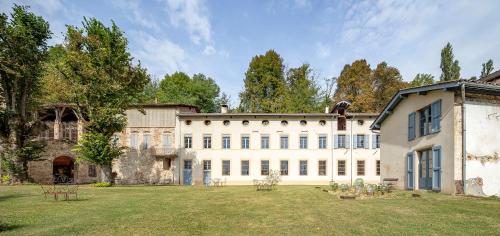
(296, 210)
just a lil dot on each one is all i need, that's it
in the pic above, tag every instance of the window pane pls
(207, 165)
(303, 142)
(322, 168)
(188, 142)
(341, 167)
(264, 142)
(226, 167)
(245, 170)
(361, 168)
(284, 142)
(322, 142)
(226, 142)
(264, 167)
(303, 167)
(207, 142)
(284, 168)
(245, 142)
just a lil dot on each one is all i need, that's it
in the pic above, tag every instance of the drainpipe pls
(331, 144)
(464, 151)
(351, 142)
(179, 145)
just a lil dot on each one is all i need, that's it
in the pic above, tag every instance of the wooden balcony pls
(162, 151)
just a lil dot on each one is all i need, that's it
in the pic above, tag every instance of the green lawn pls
(297, 210)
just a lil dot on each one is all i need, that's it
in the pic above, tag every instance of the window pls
(361, 122)
(430, 117)
(361, 141)
(409, 171)
(207, 122)
(284, 122)
(265, 122)
(264, 167)
(188, 122)
(377, 164)
(284, 142)
(207, 165)
(226, 142)
(303, 167)
(245, 122)
(226, 122)
(167, 163)
(245, 168)
(411, 126)
(245, 142)
(92, 171)
(264, 142)
(303, 122)
(188, 164)
(226, 167)
(322, 142)
(375, 141)
(360, 171)
(146, 141)
(166, 140)
(341, 123)
(341, 167)
(436, 168)
(322, 122)
(207, 141)
(284, 167)
(341, 141)
(322, 168)
(133, 141)
(303, 142)
(188, 141)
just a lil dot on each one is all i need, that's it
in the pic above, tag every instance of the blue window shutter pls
(411, 126)
(355, 141)
(409, 171)
(347, 141)
(367, 139)
(436, 168)
(336, 141)
(436, 115)
(374, 141)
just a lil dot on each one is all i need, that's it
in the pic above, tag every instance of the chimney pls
(327, 109)
(223, 109)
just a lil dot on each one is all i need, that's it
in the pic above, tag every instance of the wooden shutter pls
(411, 126)
(409, 171)
(436, 116)
(436, 168)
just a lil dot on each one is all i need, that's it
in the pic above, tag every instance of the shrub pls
(344, 187)
(334, 186)
(5, 178)
(102, 184)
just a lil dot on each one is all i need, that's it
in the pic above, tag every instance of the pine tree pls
(421, 80)
(302, 89)
(487, 68)
(449, 66)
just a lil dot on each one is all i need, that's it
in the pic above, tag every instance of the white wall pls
(483, 139)
(274, 154)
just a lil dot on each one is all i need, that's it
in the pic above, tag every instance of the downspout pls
(331, 144)
(179, 145)
(351, 142)
(464, 151)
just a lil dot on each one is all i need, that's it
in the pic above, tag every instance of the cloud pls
(302, 3)
(159, 55)
(193, 16)
(209, 50)
(136, 15)
(323, 50)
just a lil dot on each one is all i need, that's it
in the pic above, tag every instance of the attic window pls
(265, 122)
(361, 122)
(226, 122)
(245, 122)
(188, 122)
(322, 122)
(284, 122)
(207, 122)
(303, 122)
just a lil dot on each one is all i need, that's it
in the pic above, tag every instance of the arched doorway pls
(63, 169)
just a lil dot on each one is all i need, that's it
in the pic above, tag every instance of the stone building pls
(439, 136)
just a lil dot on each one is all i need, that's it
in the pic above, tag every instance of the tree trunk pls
(106, 174)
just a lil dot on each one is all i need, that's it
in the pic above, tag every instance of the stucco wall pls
(483, 143)
(395, 144)
(274, 154)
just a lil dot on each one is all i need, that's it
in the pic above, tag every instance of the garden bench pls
(390, 182)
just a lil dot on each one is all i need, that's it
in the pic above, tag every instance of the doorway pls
(425, 170)
(207, 172)
(188, 172)
(62, 169)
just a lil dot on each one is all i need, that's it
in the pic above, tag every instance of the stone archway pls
(63, 169)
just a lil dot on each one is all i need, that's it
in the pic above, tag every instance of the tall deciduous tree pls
(302, 89)
(421, 80)
(487, 68)
(98, 62)
(449, 66)
(200, 91)
(23, 48)
(387, 81)
(265, 86)
(355, 85)
(326, 93)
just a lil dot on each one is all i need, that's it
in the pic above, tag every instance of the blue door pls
(207, 169)
(188, 172)
(425, 170)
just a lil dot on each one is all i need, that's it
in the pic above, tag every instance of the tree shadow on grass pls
(6, 227)
(11, 196)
